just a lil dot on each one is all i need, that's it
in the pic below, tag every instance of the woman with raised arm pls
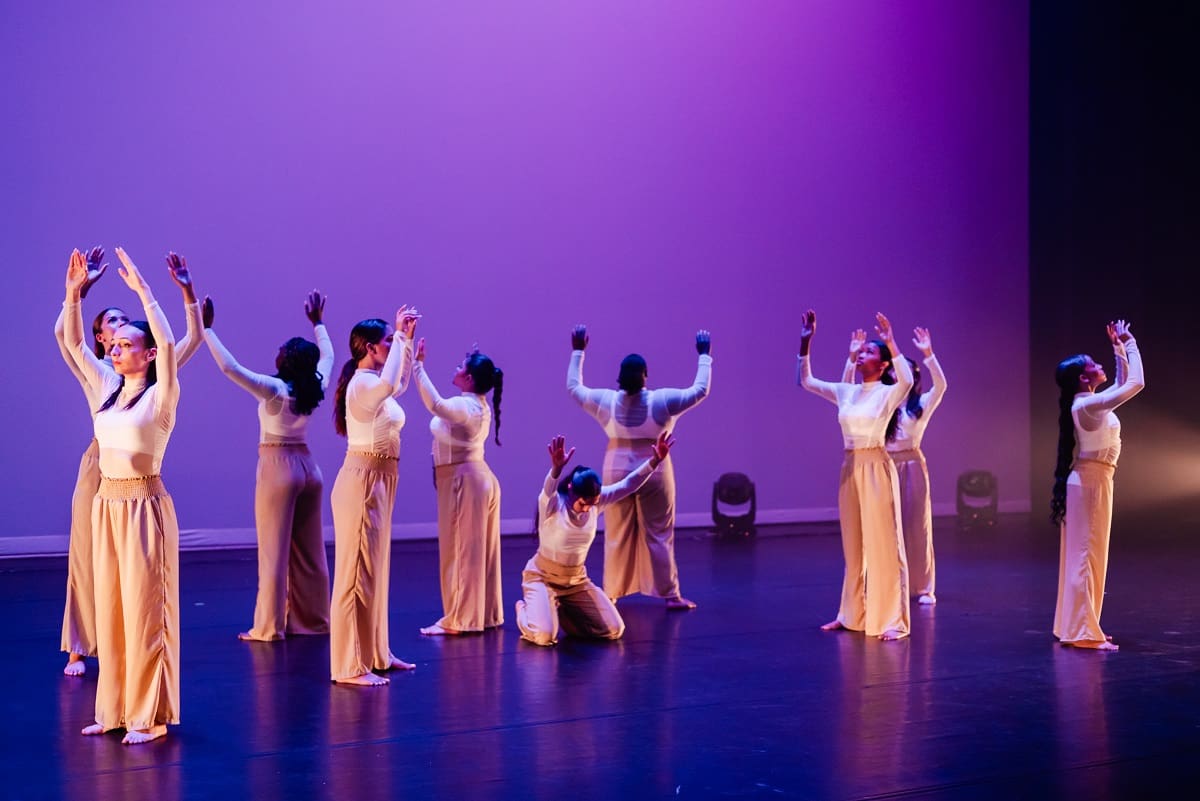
(293, 573)
(875, 585)
(468, 494)
(135, 534)
(1081, 503)
(556, 590)
(364, 494)
(904, 436)
(639, 530)
(79, 612)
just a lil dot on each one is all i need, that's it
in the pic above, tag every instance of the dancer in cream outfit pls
(1081, 502)
(364, 495)
(875, 585)
(639, 531)
(468, 494)
(293, 573)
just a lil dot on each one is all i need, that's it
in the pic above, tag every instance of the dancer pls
(468, 494)
(79, 612)
(1081, 503)
(364, 493)
(868, 492)
(555, 585)
(639, 531)
(135, 534)
(293, 574)
(904, 436)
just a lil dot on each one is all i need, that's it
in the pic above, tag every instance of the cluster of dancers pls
(123, 567)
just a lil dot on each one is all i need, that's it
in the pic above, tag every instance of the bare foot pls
(834, 625)
(400, 664)
(139, 736)
(75, 666)
(893, 634)
(1095, 645)
(928, 599)
(246, 636)
(365, 680)
(438, 631)
(94, 729)
(680, 603)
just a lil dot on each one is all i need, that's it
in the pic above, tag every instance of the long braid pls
(1067, 377)
(487, 377)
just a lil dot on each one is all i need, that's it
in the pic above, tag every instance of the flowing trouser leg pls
(308, 567)
(110, 629)
(1084, 555)
(883, 548)
(917, 522)
(624, 548)
(658, 574)
(276, 488)
(79, 612)
(469, 546)
(852, 608)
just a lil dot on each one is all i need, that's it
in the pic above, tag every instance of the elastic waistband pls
(127, 489)
(1085, 462)
(376, 462)
(622, 442)
(865, 455)
(285, 446)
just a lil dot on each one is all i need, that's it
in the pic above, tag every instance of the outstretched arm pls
(167, 365)
(182, 276)
(314, 310)
(455, 410)
(932, 397)
(1099, 403)
(857, 338)
(678, 401)
(904, 376)
(263, 387)
(91, 371)
(804, 377)
(592, 400)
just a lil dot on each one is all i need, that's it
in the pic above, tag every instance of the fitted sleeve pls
(372, 390)
(60, 337)
(804, 378)
(166, 365)
(96, 374)
(931, 399)
(611, 493)
(1122, 361)
(848, 372)
(904, 381)
(456, 410)
(187, 347)
(325, 349)
(263, 387)
(678, 401)
(592, 400)
(1099, 403)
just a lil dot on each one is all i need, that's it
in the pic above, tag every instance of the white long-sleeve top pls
(277, 420)
(184, 349)
(564, 536)
(1097, 428)
(910, 430)
(863, 409)
(644, 415)
(132, 441)
(460, 425)
(373, 417)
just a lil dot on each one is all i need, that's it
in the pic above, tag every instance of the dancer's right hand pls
(207, 312)
(579, 338)
(314, 307)
(858, 338)
(808, 325)
(559, 455)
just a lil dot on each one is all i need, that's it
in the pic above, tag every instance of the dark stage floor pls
(742, 698)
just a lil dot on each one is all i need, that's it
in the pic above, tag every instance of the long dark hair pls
(364, 333)
(888, 377)
(98, 326)
(151, 370)
(912, 404)
(296, 366)
(1066, 375)
(584, 480)
(487, 377)
(632, 377)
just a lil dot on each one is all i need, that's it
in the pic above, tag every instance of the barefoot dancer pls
(1083, 483)
(555, 584)
(468, 494)
(364, 494)
(875, 585)
(79, 613)
(293, 574)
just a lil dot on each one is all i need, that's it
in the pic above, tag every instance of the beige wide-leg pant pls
(135, 560)
(639, 530)
(557, 594)
(916, 518)
(1083, 555)
(875, 586)
(468, 496)
(79, 613)
(293, 572)
(363, 496)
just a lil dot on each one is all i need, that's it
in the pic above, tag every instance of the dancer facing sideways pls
(1081, 502)
(639, 531)
(79, 613)
(904, 436)
(293, 573)
(364, 494)
(135, 556)
(875, 584)
(555, 586)
(468, 494)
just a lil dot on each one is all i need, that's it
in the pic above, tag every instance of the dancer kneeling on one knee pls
(555, 584)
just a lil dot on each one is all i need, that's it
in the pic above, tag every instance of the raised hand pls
(884, 328)
(314, 307)
(662, 446)
(1120, 329)
(406, 320)
(703, 342)
(858, 338)
(130, 273)
(420, 354)
(559, 455)
(808, 325)
(94, 269)
(77, 273)
(180, 274)
(579, 337)
(922, 341)
(207, 312)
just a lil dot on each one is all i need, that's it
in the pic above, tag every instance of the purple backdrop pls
(513, 169)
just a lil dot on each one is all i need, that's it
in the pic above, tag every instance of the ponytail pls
(487, 377)
(1067, 377)
(364, 333)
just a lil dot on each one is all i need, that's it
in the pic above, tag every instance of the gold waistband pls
(623, 442)
(373, 455)
(295, 446)
(134, 487)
